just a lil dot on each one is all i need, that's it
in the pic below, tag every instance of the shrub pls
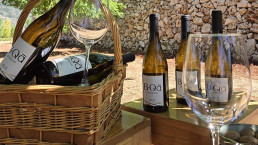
(1, 28)
(12, 31)
(7, 29)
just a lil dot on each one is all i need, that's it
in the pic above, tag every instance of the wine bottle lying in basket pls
(69, 70)
(34, 46)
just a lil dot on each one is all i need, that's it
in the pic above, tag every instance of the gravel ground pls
(133, 81)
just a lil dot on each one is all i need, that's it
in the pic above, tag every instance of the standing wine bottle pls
(179, 60)
(69, 70)
(34, 46)
(218, 69)
(155, 73)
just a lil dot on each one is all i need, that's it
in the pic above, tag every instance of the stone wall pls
(239, 16)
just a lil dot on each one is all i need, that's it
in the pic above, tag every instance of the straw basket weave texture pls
(30, 114)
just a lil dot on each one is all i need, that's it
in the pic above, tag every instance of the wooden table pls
(180, 126)
(130, 129)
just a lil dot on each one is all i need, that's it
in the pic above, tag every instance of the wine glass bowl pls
(88, 23)
(213, 89)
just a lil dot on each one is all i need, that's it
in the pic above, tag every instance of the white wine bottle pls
(179, 60)
(218, 70)
(155, 73)
(34, 46)
(69, 70)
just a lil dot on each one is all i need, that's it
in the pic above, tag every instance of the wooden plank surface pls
(180, 126)
(130, 129)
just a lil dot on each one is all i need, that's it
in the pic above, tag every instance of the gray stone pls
(221, 2)
(178, 23)
(130, 27)
(213, 1)
(169, 33)
(254, 59)
(171, 41)
(146, 26)
(206, 28)
(238, 16)
(255, 5)
(178, 6)
(177, 37)
(165, 20)
(163, 47)
(250, 46)
(230, 21)
(250, 35)
(196, 2)
(200, 14)
(198, 6)
(198, 21)
(208, 5)
(242, 4)
(254, 28)
(173, 2)
(222, 8)
(231, 2)
(192, 9)
(141, 43)
(242, 11)
(140, 28)
(242, 26)
(232, 10)
(161, 24)
(249, 5)
(204, 1)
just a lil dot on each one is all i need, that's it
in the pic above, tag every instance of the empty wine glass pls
(88, 23)
(213, 89)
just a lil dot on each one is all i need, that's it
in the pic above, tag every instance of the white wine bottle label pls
(217, 89)
(179, 84)
(192, 81)
(153, 90)
(16, 58)
(69, 65)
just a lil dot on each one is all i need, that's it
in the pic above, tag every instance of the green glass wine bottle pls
(34, 45)
(69, 70)
(218, 70)
(155, 72)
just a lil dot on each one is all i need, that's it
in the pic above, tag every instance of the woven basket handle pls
(117, 65)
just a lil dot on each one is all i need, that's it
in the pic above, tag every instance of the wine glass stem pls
(88, 44)
(215, 134)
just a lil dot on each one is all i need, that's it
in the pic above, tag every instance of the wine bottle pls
(218, 69)
(155, 72)
(69, 70)
(34, 46)
(179, 60)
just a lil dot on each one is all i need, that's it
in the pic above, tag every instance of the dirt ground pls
(133, 81)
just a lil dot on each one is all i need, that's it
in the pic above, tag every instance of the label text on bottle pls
(217, 89)
(16, 58)
(153, 90)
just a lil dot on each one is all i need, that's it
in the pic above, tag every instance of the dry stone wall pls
(239, 16)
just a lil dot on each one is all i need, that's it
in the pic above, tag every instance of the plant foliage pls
(7, 29)
(1, 28)
(44, 5)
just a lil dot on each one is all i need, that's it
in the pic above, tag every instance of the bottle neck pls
(154, 41)
(185, 29)
(185, 36)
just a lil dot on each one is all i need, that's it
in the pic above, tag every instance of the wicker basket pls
(82, 113)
